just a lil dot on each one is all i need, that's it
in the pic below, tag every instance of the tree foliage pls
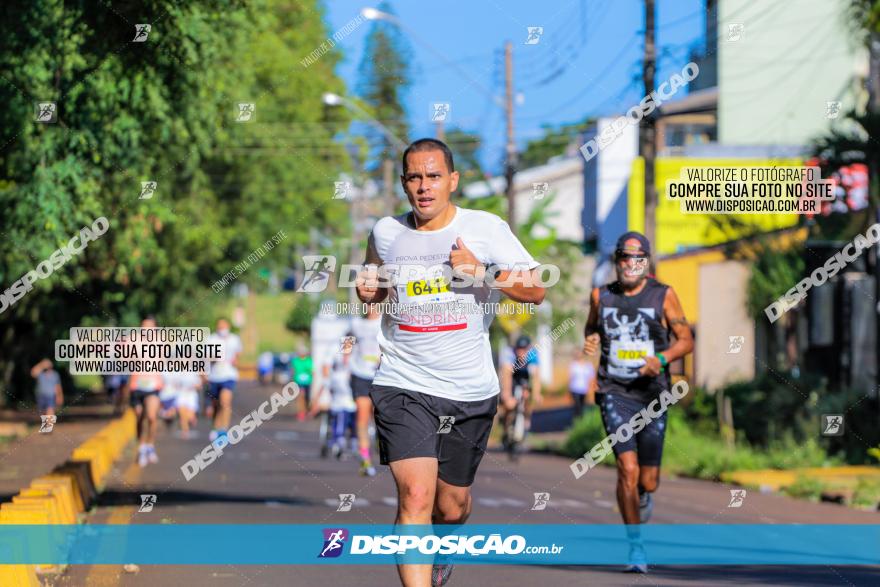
(162, 110)
(385, 74)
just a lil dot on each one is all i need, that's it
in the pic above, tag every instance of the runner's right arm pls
(367, 282)
(591, 330)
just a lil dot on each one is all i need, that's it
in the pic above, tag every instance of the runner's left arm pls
(519, 285)
(516, 273)
(684, 340)
(674, 314)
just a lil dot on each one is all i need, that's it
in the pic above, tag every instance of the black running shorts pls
(617, 409)
(360, 387)
(412, 424)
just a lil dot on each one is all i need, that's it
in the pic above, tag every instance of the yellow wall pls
(676, 231)
(683, 274)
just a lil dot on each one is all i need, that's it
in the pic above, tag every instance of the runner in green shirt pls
(301, 365)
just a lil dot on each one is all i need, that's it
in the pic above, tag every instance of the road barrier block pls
(66, 485)
(19, 576)
(59, 497)
(24, 514)
(79, 473)
(62, 501)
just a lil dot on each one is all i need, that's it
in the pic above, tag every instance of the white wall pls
(793, 57)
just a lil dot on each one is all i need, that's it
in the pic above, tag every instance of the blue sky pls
(592, 46)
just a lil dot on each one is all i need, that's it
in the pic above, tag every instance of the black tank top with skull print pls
(631, 328)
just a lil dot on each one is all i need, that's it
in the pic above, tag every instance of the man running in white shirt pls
(436, 390)
(222, 378)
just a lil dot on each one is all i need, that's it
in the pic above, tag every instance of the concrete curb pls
(67, 492)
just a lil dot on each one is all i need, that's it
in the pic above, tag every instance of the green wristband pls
(663, 362)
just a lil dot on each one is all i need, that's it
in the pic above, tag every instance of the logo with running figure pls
(737, 497)
(735, 31)
(47, 423)
(440, 111)
(539, 189)
(334, 542)
(832, 424)
(534, 35)
(346, 500)
(141, 32)
(148, 188)
(46, 112)
(148, 500)
(541, 501)
(446, 423)
(341, 189)
(735, 344)
(246, 111)
(318, 269)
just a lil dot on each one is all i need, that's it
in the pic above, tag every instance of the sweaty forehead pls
(424, 161)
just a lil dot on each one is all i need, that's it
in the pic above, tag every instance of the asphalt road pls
(275, 475)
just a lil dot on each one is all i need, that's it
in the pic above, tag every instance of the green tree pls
(384, 80)
(556, 141)
(465, 147)
(162, 110)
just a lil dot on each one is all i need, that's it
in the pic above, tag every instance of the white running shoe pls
(638, 560)
(151, 455)
(143, 457)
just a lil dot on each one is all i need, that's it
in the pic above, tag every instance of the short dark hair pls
(429, 145)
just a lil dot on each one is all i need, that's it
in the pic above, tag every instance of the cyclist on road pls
(630, 322)
(519, 367)
(436, 357)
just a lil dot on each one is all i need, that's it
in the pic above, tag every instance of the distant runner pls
(301, 365)
(48, 392)
(581, 381)
(222, 378)
(364, 363)
(631, 319)
(436, 358)
(337, 378)
(145, 388)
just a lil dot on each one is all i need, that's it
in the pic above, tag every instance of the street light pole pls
(647, 128)
(510, 160)
(395, 141)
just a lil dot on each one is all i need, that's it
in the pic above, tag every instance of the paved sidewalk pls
(36, 454)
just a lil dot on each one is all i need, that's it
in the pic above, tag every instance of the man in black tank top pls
(630, 322)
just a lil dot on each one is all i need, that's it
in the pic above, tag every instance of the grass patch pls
(266, 314)
(699, 454)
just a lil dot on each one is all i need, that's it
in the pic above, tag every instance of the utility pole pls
(647, 127)
(873, 179)
(510, 162)
(387, 185)
(441, 131)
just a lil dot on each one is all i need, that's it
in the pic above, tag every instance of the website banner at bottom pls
(532, 544)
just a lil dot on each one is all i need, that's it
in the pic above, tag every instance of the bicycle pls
(324, 435)
(515, 427)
